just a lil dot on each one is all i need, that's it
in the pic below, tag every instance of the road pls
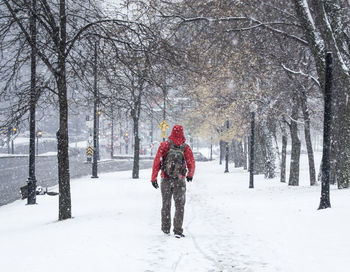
(14, 172)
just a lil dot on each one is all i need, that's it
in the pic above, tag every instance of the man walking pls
(175, 158)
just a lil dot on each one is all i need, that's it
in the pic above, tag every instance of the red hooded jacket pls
(177, 137)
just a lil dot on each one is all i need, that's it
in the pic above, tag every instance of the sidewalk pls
(116, 227)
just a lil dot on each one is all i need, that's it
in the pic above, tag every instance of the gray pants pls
(177, 189)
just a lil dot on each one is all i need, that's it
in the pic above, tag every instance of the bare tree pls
(62, 28)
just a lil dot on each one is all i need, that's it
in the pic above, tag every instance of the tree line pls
(272, 54)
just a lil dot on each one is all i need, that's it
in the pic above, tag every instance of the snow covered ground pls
(116, 227)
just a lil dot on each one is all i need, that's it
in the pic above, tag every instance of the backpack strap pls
(171, 143)
(183, 147)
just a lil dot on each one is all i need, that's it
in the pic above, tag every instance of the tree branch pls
(301, 73)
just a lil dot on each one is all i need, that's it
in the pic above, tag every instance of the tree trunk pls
(235, 153)
(65, 209)
(238, 153)
(136, 165)
(310, 152)
(277, 148)
(62, 148)
(259, 150)
(32, 105)
(221, 150)
(317, 45)
(245, 152)
(112, 133)
(241, 154)
(296, 146)
(340, 132)
(211, 148)
(252, 151)
(248, 152)
(270, 158)
(332, 174)
(343, 150)
(135, 113)
(95, 156)
(327, 120)
(327, 34)
(284, 157)
(226, 156)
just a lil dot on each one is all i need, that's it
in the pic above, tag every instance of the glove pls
(155, 184)
(189, 179)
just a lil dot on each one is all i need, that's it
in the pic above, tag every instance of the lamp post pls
(151, 140)
(14, 132)
(31, 182)
(220, 145)
(126, 134)
(95, 154)
(226, 148)
(164, 106)
(151, 133)
(327, 126)
(112, 134)
(126, 139)
(253, 108)
(39, 134)
(9, 130)
(120, 138)
(99, 112)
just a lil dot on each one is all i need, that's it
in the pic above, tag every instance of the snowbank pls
(116, 227)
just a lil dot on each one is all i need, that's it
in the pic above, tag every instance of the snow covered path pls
(228, 227)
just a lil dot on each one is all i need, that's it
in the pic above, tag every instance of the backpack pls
(174, 163)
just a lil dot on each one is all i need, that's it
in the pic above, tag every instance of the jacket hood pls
(177, 135)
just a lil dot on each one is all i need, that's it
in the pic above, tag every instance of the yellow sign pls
(163, 125)
(163, 134)
(89, 151)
